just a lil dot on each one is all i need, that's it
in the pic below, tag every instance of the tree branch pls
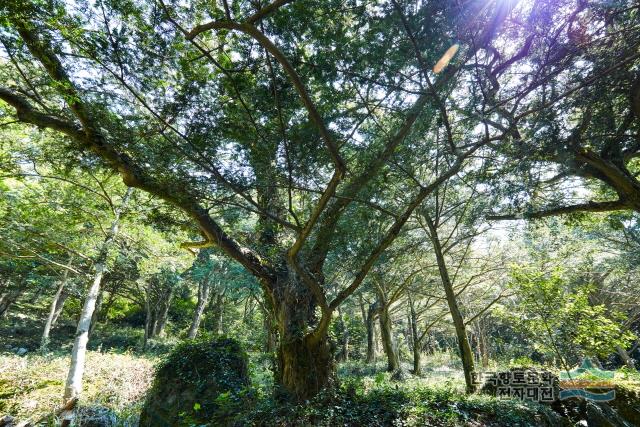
(90, 137)
(590, 206)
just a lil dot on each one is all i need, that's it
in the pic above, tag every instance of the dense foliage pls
(326, 183)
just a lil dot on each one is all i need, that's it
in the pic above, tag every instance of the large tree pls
(288, 122)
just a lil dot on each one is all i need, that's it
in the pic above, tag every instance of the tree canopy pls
(315, 153)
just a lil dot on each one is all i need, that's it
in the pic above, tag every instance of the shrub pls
(200, 381)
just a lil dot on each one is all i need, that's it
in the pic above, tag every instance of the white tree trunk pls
(73, 387)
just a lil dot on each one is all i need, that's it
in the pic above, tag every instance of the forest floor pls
(118, 375)
(31, 387)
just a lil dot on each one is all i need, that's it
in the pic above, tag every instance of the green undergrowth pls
(31, 386)
(118, 378)
(386, 405)
(199, 381)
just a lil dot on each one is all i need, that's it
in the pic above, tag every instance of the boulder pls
(200, 382)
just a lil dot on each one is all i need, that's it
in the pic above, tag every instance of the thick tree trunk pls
(371, 317)
(305, 362)
(270, 332)
(204, 290)
(73, 386)
(56, 302)
(461, 331)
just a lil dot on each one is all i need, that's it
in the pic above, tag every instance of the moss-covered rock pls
(200, 382)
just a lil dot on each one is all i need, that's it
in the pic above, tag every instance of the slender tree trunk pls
(163, 314)
(406, 333)
(59, 306)
(484, 347)
(73, 386)
(148, 326)
(363, 310)
(96, 312)
(461, 331)
(153, 321)
(217, 310)
(56, 302)
(3, 303)
(343, 356)
(388, 344)
(376, 340)
(271, 334)
(204, 290)
(103, 315)
(415, 339)
(371, 317)
(345, 345)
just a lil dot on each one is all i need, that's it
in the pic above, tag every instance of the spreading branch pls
(89, 137)
(590, 206)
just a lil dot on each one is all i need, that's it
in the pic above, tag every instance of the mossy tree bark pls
(305, 361)
(270, 329)
(388, 343)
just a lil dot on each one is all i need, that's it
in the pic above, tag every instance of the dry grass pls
(31, 386)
